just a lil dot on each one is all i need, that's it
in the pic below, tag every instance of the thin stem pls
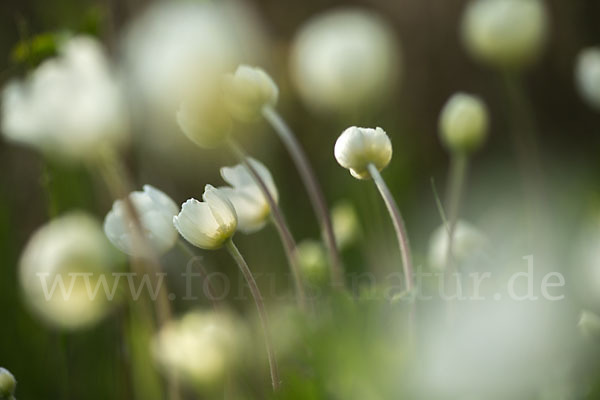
(287, 240)
(398, 222)
(314, 191)
(262, 313)
(458, 174)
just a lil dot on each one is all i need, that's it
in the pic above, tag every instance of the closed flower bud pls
(345, 223)
(200, 348)
(467, 244)
(64, 261)
(589, 325)
(205, 120)
(506, 34)
(251, 206)
(464, 123)
(8, 383)
(207, 224)
(71, 106)
(587, 76)
(248, 91)
(312, 258)
(356, 148)
(155, 211)
(345, 60)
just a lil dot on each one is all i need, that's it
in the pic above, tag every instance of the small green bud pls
(8, 383)
(313, 261)
(464, 123)
(589, 325)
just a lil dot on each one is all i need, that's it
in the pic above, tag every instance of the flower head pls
(155, 210)
(587, 75)
(356, 148)
(506, 34)
(346, 225)
(70, 106)
(345, 60)
(467, 244)
(248, 91)
(464, 123)
(312, 257)
(8, 383)
(207, 224)
(250, 204)
(205, 121)
(68, 245)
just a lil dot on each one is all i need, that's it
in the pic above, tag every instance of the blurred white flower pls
(589, 325)
(200, 347)
(507, 34)
(345, 223)
(344, 60)
(248, 91)
(8, 383)
(155, 210)
(312, 258)
(250, 204)
(205, 121)
(464, 123)
(467, 242)
(356, 148)
(53, 266)
(587, 75)
(70, 106)
(207, 224)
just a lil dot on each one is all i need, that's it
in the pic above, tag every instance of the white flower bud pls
(464, 123)
(207, 224)
(248, 91)
(346, 226)
(356, 148)
(70, 106)
(155, 211)
(251, 206)
(344, 60)
(205, 120)
(312, 258)
(589, 325)
(60, 267)
(467, 243)
(587, 76)
(200, 347)
(506, 34)
(8, 383)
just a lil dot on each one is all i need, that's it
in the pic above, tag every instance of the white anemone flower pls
(356, 148)
(250, 204)
(155, 211)
(248, 91)
(71, 106)
(207, 224)
(587, 75)
(60, 267)
(344, 60)
(464, 123)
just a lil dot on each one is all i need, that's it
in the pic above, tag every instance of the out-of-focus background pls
(432, 64)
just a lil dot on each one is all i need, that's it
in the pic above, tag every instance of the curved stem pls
(314, 191)
(398, 222)
(289, 244)
(262, 313)
(458, 174)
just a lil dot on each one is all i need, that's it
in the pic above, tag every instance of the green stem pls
(458, 172)
(314, 191)
(262, 313)
(287, 240)
(398, 222)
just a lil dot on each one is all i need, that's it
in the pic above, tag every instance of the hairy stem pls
(314, 191)
(262, 313)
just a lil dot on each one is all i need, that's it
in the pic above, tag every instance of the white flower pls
(505, 33)
(248, 91)
(205, 120)
(155, 210)
(70, 106)
(464, 123)
(200, 347)
(467, 243)
(8, 383)
(250, 204)
(58, 256)
(356, 148)
(207, 224)
(587, 75)
(345, 59)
